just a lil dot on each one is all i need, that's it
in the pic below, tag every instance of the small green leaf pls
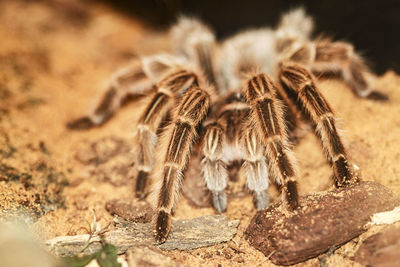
(107, 257)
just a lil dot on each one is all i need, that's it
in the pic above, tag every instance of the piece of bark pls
(185, 234)
(381, 249)
(324, 220)
(139, 211)
(148, 257)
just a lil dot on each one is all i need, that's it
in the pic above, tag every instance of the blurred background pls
(372, 26)
(56, 58)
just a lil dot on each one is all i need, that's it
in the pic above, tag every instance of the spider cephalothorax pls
(225, 91)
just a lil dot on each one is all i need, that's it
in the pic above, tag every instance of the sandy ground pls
(55, 60)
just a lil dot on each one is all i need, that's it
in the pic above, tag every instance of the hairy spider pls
(223, 94)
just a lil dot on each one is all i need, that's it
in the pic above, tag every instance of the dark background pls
(372, 26)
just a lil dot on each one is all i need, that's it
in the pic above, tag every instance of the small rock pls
(135, 212)
(382, 249)
(324, 220)
(76, 182)
(81, 204)
(146, 256)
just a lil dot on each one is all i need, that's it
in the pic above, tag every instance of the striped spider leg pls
(136, 79)
(195, 41)
(175, 147)
(255, 166)
(341, 58)
(222, 147)
(214, 166)
(299, 89)
(253, 131)
(229, 139)
(323, 56)
(267, 120)
(174, 83)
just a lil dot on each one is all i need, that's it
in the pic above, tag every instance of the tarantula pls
(223, 95)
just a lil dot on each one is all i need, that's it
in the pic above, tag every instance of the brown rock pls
(135, 212)
(324, 220)
(382, 249)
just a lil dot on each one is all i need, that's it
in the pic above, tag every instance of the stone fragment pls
(139, 211)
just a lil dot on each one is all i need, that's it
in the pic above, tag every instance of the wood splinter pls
(186, 234)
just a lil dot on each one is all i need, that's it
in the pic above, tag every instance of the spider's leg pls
(129, 81)
(255, 167)
(268, 121)
(146, 134)
(339, 58)
(196, 41)
(299, 89)
(179, 138)
(213, 165)
(352, 67)
(222, 145)
(137, 79)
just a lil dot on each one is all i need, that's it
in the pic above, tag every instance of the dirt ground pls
(55, 60)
